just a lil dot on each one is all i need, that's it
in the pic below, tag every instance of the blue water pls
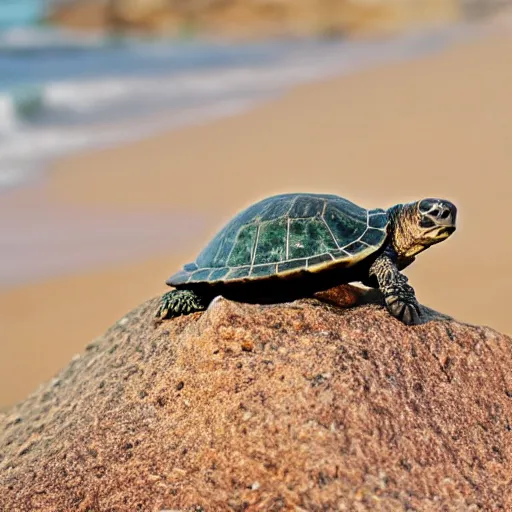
(61, 92)
(20, 12)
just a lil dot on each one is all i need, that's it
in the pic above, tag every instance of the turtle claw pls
(411, 314)
(162, 312)
(406, 311)
(164, 306)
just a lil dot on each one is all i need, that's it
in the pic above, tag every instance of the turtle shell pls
(287, 234)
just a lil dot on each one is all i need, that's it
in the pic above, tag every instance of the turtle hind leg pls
(180, 302)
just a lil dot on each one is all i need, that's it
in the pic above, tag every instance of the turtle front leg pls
(180, 302)
(398, 294)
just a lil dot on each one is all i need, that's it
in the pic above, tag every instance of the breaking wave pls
(48, 118)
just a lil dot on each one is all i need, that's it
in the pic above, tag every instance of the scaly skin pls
(398, 294)
(179, 302)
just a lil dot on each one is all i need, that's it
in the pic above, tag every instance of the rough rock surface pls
(300, 406)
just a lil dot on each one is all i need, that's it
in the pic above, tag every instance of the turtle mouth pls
(441, 232)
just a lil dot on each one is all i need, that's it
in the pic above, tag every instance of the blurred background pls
(132, 130)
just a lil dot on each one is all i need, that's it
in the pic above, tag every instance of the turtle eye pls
(426, 205)
(434, 212)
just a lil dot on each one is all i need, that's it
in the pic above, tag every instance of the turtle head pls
(416, 226)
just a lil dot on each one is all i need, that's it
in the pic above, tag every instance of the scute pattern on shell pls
(288, 233)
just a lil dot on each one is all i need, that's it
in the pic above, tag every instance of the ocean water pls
(20, 12)
(61, 92)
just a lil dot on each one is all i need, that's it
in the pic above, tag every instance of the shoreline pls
(101, 111)
(438, 125)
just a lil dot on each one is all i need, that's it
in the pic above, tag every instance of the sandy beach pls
(440, 125)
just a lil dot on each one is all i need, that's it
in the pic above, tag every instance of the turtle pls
(291, 246)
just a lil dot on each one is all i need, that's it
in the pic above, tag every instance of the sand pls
(437, 126)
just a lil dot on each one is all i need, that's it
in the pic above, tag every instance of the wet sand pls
(437, 126)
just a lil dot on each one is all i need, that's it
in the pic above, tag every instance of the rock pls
(80, 14)
(255, 17)
(300, 406)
